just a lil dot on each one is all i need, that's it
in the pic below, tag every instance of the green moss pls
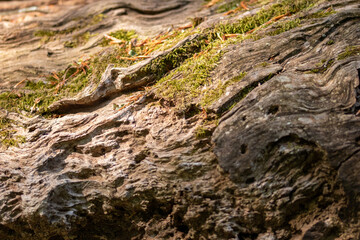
(215, 93)
(264, 15)
(70, 44)
(196, 21)
(285, 26)
(322, 66)
(243, 93)
(175, 37)
(46, 35)
(125, 35)
(190, 79)
(50, 35)
(207, 127)
(77, 40)
(330, 42)
(5, 123)
(263, 64)
(163, 65)
(349, 51)
(202, 132)
(233, 104)
(100, 62)
(121, 35)
(43, 33)
(38, 96)
(97, 19)
(228, 6)
(8, 137)
(26, 100)
(231, 5)
(321, 14)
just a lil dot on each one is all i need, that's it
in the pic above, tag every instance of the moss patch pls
(285, 26)
(51, 35)
(188, 82)
(121, 35)
(349, 51)
(97, 19)
(321, 14)
(215, 93)
(246, 24)
(263, 64)
(231, 5)
(174, 37)
(37, 96)
(228, 6)
(8, 137)
(78, 40)
(202, 132)
(48, 35)
(157, 68)
(206, 128)
(191, 79)
(99, 63)
(322, 66)
(330, 42)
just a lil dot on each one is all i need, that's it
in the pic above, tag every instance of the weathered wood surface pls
(283, 163)
(24, 56)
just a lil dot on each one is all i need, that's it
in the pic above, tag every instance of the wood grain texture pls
(282, 162)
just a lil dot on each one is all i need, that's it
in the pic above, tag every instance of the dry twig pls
(212, 3)
(227, 36)
(274, 19)
(134, 58)
(242, 5)
(190, 25)
(113, 40)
